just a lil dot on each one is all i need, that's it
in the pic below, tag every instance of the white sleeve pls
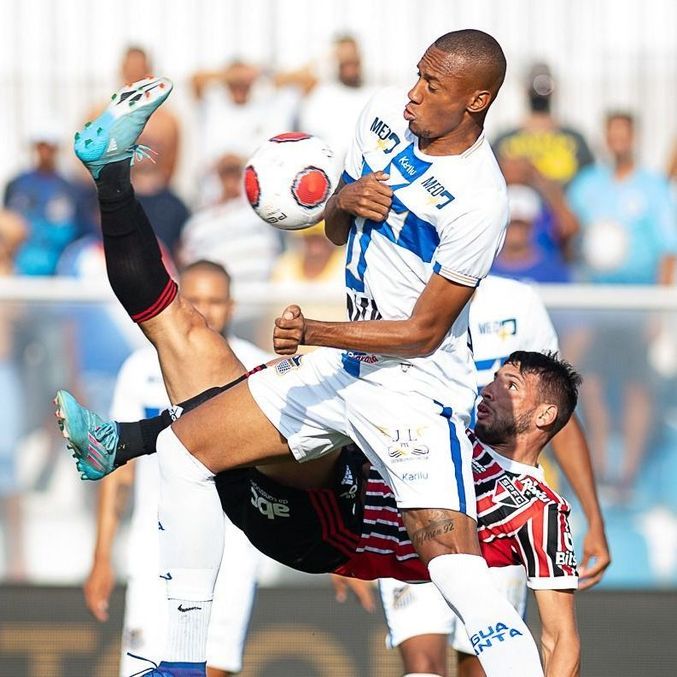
(540, 335)
(126, 405)
(470, 242)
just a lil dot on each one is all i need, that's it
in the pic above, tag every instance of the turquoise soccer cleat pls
(92, 439)
(113, 135)
(167, 669)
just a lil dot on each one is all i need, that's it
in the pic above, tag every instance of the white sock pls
(501, 639)
(191, 526)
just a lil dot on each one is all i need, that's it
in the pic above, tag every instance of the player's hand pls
(98, 588)
(369, 197)
(363, 590)
(595, 547)
(289, 331)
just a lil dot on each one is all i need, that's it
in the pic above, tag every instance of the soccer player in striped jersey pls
(351, 524)
(505, 316)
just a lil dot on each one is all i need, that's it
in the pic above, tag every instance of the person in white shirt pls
(332, 108)
(230, 233)
(140, 392)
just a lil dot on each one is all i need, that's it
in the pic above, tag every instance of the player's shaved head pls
(480, 53)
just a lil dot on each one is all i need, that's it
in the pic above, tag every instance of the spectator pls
(12, 233)
(239, 109)
(229, 232)
(312, 258)
(164, 208)
(629, 230)
(558, 152)
(524, 256)
(629, 236)
(331, 109)
(50, 205)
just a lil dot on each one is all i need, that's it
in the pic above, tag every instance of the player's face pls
(508, 406)
(440, 97)
(209, 292)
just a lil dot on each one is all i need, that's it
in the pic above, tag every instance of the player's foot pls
(92, 439)
(113, 135)
(170, 669)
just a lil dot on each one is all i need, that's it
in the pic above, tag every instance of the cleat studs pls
(88, 142)
(88, 124)
(77, 138)
(115, 96)
(148, 94)
(99, 130)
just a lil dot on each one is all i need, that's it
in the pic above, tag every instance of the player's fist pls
(289, 331)
(369, 197)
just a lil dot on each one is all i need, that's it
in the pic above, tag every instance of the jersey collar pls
(516, 467)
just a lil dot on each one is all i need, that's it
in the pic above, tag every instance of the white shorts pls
(145, 623)
(417, 444)
(413, 609)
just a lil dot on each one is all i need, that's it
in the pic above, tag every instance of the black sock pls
(134, 263)
(140, 437)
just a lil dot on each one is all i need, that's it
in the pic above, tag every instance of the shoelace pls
(146, 670)
(141, 152)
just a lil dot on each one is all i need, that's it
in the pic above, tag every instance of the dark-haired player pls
(423, 209)
(352, 525)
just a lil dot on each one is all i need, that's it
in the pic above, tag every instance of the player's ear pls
(546, 415)
(479, 101)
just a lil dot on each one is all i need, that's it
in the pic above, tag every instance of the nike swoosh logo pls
(167, 576)
(188, 608)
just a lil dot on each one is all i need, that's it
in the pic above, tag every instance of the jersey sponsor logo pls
(347, 477)
(507, 493)
(405, 445)
(414, 476)
(504, 328)
(493, 635)
(388, 140)
(167, 576)
(531, 489)
(361, 307)
(406, 166)
(269, 506)
(441, 196)
(565, 559)
(366, 358)
(287, 365)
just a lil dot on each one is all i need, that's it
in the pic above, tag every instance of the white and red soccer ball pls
(289, 179)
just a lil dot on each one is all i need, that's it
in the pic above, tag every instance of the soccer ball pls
(289, 179)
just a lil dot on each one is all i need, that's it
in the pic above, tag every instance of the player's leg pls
(511, 582)
(419, 622)
(421, 450)
(136, 272)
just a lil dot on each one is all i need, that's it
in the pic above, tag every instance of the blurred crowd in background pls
(579, 213)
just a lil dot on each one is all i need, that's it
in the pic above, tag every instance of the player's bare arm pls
(560, 643)
(421, 334)
(369, 197)
(571, 451)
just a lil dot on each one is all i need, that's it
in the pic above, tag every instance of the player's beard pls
(503, 429)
